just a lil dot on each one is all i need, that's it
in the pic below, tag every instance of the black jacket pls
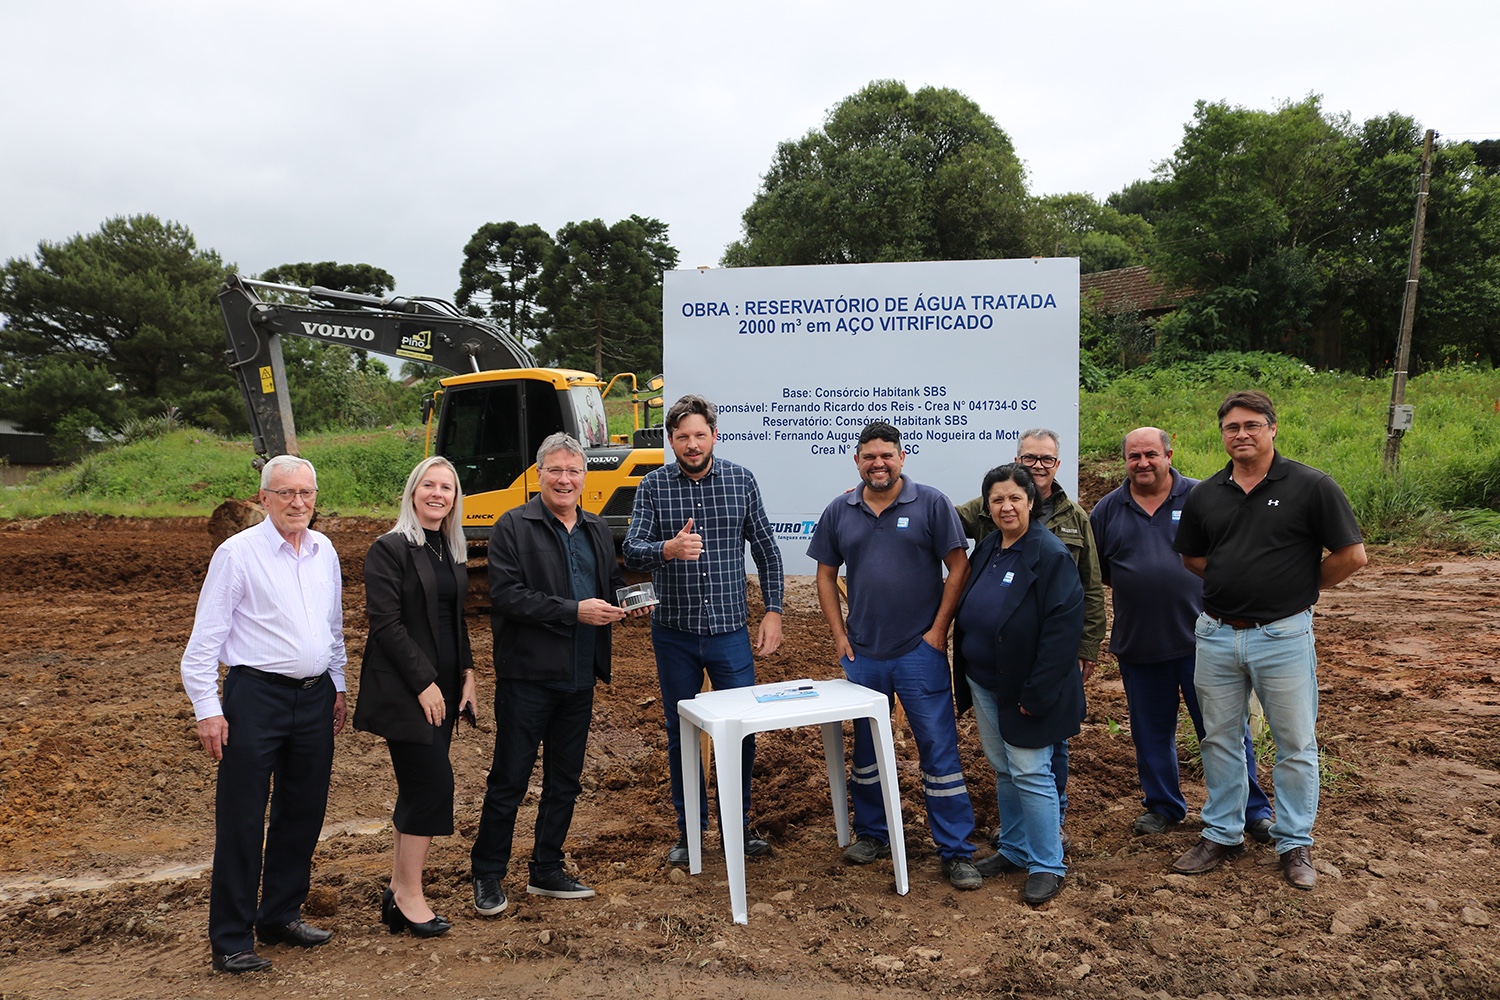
(401, 650)
(1036, 645)
(533, 614)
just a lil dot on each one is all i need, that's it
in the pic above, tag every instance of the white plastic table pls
(729, 716)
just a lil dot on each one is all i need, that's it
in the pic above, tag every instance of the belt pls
(282, 679)
(1240, 624)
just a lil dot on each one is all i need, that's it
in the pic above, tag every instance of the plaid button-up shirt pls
(707, 595)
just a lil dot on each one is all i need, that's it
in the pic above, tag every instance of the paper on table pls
(787, 692)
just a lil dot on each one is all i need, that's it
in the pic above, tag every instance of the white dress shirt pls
(269, 606)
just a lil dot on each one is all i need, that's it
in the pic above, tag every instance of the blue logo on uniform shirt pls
(1009, 576)
(902, 522)
(1177, 515)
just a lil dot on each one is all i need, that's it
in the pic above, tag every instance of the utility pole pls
(1400, 418)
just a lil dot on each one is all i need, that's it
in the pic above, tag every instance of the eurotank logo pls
(331, 332)
(793, 529)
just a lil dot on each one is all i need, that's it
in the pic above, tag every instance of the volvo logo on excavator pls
(338, 332)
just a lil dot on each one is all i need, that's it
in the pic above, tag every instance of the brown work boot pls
(1297, 869)
(1206, 856)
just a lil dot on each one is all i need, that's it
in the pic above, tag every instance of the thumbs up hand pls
(686, 544)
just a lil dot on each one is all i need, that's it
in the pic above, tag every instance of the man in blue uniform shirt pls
(1156, 601)
(894, 536)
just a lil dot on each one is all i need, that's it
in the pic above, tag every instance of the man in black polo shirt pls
(1256, 532)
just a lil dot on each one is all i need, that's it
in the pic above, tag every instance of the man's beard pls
(693, 469)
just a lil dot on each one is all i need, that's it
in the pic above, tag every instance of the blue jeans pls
(1152, 694)
(922, 680)
(1025, 792)
(682, 658)
(1279, 663)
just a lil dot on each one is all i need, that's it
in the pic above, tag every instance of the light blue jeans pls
(1025, 792)
(1278, 662)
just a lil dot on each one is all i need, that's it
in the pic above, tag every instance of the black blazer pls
(1036, 644)
(401, 650)
(533, 614)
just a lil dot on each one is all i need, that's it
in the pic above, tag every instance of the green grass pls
(1447, 492)
(189, 472)
(1444, 493)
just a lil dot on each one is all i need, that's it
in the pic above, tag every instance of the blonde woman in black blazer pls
(418, 675)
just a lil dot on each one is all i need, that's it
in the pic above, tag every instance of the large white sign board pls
(961, 356)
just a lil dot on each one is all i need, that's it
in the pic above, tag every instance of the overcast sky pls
(387, 132)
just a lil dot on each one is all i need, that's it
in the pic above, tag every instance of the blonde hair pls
(452, 527)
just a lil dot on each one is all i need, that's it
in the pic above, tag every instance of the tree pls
(117, 324)
(1250, 204)
(1139, 197)
(366, 279)
(1100, 236)
(1293, 226)
(602, 292)
(503, 264)
(891, 176)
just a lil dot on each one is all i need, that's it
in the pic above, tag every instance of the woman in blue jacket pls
(1015, 654)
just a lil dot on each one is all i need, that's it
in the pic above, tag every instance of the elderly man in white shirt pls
(271, 609)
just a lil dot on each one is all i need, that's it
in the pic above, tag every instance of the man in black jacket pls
(552, 573)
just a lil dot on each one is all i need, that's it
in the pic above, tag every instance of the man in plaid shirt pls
(689, 527)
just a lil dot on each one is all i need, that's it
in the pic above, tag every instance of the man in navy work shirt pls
(272, 608)
(689, 527)
(1156, 601)
(894, 536)
(1256, 532)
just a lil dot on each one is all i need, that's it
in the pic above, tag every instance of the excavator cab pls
(492, 423)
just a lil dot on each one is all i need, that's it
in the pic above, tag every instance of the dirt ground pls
(106, 825)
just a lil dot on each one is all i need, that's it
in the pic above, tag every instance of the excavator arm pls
(496, 410)
(421, 329)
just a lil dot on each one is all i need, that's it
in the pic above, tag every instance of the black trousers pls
(528, 715)
(279, 736)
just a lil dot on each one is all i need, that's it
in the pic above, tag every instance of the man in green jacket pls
(1038, 452)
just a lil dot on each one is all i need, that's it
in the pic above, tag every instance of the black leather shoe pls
(489, 897)
(428, 928)
(240, 961)
(755, 847)
(387, 904)
(299, 933)
(678, 855)
(1148, 823)
(1040, 887)
(997, 864)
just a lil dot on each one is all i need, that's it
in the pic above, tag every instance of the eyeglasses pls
(1251, 427)
(289, 495)
(560, 472)
(1030, 461)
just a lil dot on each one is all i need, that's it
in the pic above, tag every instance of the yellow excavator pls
(488, 418)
